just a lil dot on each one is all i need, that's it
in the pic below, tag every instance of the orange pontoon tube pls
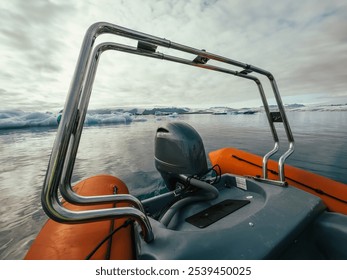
(58, 241)
(238, 162)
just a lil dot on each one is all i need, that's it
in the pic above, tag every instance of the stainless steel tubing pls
(58, 213)
(287, 128)
(68, 135)
(65, 187)
(59, 156)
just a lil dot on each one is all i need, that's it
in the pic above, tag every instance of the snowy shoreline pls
(17, 119)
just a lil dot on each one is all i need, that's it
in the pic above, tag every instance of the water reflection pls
(24, 157)
(127, 151)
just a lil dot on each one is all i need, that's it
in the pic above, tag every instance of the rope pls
(125, 224)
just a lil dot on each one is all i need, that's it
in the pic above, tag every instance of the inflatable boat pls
(237, 205)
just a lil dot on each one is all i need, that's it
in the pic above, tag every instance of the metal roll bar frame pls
(63, 156)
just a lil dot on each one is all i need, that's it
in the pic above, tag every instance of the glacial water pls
(124, 147)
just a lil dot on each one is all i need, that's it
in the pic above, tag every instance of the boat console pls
(248, 220)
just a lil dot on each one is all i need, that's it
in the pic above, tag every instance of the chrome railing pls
(66, 144)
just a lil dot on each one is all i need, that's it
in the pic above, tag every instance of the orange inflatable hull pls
(231, 160)
(58, 241)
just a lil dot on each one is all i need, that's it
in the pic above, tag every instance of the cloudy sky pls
(303, 43)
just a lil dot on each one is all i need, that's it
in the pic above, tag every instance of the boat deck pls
(264, 228)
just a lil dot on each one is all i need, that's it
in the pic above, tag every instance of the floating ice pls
(17, 119)
(20, 119)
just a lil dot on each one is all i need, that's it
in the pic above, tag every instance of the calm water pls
(126, 150)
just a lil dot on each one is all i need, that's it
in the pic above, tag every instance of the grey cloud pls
(302, 43)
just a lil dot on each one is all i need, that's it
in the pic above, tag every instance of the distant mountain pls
(165, 111)
(295, 105)
(221, 110)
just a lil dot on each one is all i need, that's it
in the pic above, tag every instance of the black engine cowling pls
(179, 150)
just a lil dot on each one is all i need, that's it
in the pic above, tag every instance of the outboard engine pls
(179, 150)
